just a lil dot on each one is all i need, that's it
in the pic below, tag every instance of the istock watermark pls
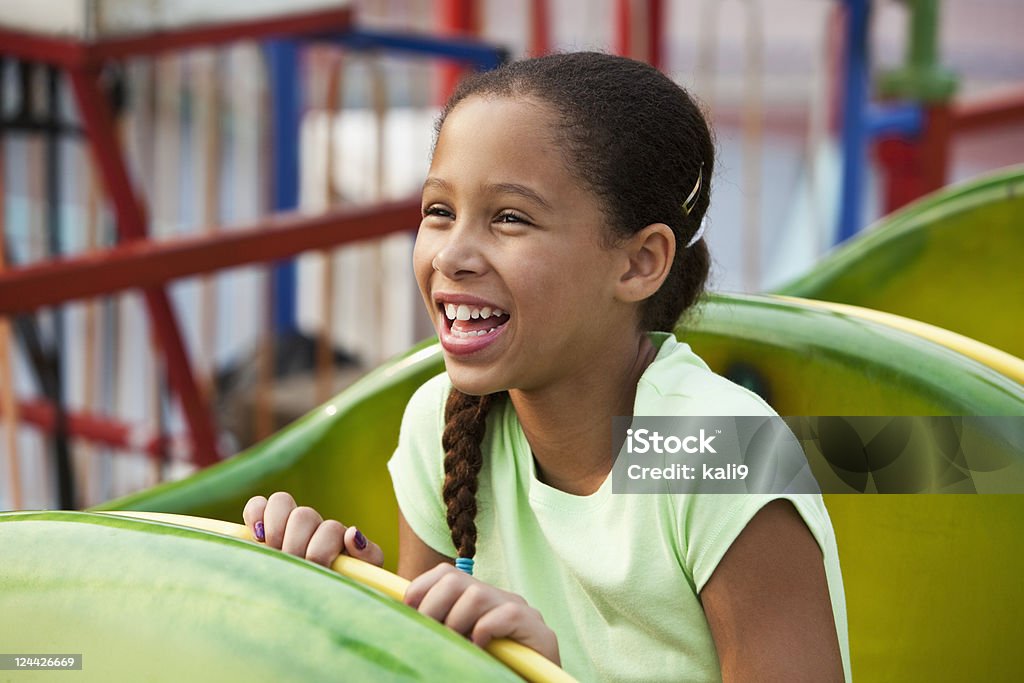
(822, 454)
(647, 441)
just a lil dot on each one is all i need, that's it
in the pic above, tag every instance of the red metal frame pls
(653, 28)
(1001, 109)
(151, 264)
(83, 61)
(623, 28)
(458, 17)
(656, 33)
(97, 429)
(914, 168)
(131, 225)
(72, 53)
(540, 31)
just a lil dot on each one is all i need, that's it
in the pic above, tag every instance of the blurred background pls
(150, 144)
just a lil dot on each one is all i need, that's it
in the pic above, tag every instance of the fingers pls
(301, 531)
(419, 586)
(479, 611)
(442, 595)
(275, 517)
(504, 621)
(327, 542)
(521, 623)
(476, 600)
(302, 523)
(499, 622)
(357, 545)
(252, 515)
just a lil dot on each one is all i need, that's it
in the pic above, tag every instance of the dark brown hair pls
(639, 142)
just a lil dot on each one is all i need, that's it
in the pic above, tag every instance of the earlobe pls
(649, 255)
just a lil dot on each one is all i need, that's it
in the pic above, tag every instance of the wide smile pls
(467, 325)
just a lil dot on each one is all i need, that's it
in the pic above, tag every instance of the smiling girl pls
(561, 242)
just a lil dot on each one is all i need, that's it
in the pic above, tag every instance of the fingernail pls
(360, 540)
(260, 534)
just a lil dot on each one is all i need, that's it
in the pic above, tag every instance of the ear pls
(648, 257)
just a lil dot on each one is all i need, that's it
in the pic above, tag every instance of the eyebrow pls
(502, 188)
(520, 190)
(440, 184)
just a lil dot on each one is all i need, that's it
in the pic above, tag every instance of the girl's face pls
(510, 256)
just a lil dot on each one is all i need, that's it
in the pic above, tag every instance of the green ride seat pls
(144, 601)
(951, 259)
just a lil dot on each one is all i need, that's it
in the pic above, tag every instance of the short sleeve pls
(417, 465)
(711, 522)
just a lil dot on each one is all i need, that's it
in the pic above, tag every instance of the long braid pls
(465, 423)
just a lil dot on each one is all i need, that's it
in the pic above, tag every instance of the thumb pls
(357, 545)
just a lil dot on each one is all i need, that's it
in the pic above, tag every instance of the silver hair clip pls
(688, 205)
(692, 198)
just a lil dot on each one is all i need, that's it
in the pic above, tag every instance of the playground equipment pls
(82, 48)
(917, 118)
(951, 260)
(912, 614)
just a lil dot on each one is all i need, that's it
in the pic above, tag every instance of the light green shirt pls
(617, 577)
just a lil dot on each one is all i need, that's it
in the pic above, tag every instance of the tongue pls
(475, 325)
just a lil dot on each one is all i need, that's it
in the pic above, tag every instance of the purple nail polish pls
(360, 540)
(260, 534)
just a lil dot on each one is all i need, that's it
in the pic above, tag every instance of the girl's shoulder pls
(679, 382)
(433, 393)
(425, 410)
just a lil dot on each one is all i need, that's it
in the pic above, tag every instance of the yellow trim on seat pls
(998, 360)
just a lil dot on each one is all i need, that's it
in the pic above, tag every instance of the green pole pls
(921, 78)
(924, 25)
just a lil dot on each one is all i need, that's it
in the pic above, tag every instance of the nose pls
(460, 255)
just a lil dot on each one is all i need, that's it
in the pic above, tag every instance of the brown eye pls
(510, 217)
(437, 211)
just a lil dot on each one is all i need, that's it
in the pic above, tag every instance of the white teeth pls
(466, 312)
(461, 334)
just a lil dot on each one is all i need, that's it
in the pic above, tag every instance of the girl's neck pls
(568, 424)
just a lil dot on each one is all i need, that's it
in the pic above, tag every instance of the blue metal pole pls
(285, 104)
(905, 120)
(855, 125)
(483, 56)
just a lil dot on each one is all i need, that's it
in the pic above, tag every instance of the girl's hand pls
(301, 531)
(479, 611)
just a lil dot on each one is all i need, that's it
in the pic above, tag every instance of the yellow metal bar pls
(1000, 361)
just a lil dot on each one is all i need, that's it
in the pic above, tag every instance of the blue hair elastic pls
(465, 564)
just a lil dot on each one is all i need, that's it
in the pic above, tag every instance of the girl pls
(560, 244)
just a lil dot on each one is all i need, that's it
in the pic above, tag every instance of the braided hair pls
(639, 142)
(465, 418)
